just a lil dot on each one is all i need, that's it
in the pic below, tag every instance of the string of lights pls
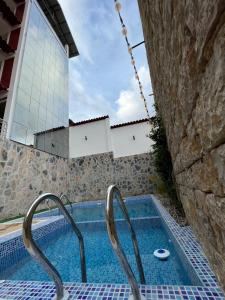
(130, 51)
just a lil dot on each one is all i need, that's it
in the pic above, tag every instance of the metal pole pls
(138, 45)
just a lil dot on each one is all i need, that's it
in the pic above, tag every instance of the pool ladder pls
(114, 193)
(62, 196)
(35, 251)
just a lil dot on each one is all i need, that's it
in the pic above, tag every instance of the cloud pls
(130, 104)
(89, 23)
(102, 72)
(84, 105)
(75, 12)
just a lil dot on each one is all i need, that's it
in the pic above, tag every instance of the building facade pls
(96, 136)
(11, 23)
(34, 74)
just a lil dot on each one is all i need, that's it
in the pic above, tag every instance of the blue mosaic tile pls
(186, 239)
(40, 290)
(46, 290)
(12, 248)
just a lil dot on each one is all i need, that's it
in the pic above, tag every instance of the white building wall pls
(100, 138)
(131, 139)
(97, 138)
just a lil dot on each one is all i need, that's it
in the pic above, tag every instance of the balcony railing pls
(8, 14)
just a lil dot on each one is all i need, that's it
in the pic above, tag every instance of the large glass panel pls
(41, 108)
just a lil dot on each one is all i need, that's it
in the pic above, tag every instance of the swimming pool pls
(143, 208)
(62, 249)
(94, 210)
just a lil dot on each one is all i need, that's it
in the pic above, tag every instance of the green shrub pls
(159, 185)
(162, 159)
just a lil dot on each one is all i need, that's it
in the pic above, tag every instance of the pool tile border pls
(18, 290)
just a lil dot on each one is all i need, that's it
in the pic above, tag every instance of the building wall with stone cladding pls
(25, 173)
(90, 176)
(185, 43)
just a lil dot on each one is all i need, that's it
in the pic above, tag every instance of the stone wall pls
(25, 173)
(90, 176)
(185, 42)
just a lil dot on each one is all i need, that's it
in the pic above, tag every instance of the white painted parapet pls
(95, 136)
(89, 137)
(131, 138)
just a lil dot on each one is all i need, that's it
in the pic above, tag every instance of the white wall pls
(98, 138)
(101, 139)
(131, 139)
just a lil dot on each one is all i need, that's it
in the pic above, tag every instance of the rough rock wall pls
(24, 174)
(90, 176)
(185, 42)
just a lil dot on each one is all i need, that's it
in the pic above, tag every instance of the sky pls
(102, 78)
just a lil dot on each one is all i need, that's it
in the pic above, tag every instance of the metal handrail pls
(68, 201)
(34, 250)
(114, 191)
(47, 203)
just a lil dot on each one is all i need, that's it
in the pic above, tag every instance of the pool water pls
(136, 209)
(102, 263)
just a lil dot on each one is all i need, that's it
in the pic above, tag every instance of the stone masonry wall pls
(185, 42)
(25, 173)
(90, 176)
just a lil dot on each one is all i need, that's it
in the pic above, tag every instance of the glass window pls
(19, 133)
(42, 94)
(23, 98)
(21, 115)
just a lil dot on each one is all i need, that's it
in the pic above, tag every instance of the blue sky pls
(102, 77)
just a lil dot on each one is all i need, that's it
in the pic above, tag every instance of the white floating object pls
(161, 253)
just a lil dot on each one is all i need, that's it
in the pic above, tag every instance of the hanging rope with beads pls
(124, 32)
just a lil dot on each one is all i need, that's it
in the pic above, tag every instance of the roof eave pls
(73, 124)
(56, 18)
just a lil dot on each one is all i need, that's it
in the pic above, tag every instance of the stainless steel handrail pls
(47, 203)
(34, 250)
(68, 201)
(114, 191)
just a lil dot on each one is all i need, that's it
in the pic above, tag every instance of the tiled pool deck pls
(46, 291)
(182, 235)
